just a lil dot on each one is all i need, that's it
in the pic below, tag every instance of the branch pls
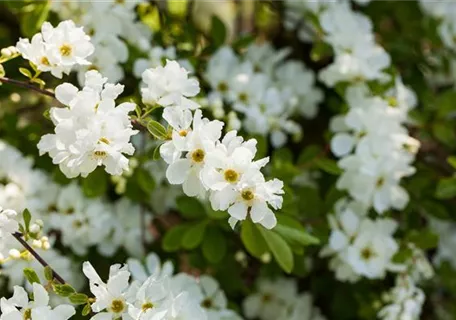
(18, 237)
(26, 85)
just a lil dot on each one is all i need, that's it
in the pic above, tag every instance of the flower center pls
(380, 182)
(207, 303)
(392, 102)
(183, 133)
(104, 140)
(367, 253)
(146, 306)
(198, 155)
(231, 176)
(27, 314)
(243, 97)
(117, 306)
(222, 87)
(247, 195)
(66, 50)
(100, 154)
(267, 297)
(45, 61)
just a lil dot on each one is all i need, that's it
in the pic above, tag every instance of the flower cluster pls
(156, 293)
(57, 50)
(359, 246)
(405, 301)
(82, 223)
(265, 89)
(20, 307)
(111, 35)
(8, 226)
(371, 138)
(279, 299)
(201, 161)
(90, 131)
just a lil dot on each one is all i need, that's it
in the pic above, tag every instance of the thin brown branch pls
(29, 86)
(35, 254)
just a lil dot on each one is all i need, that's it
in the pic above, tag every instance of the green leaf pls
(444, 133)
(423, 239)
(279, 248)
(173, 238)
(40, 82)
(156, 153)
(252, 239)
(63, 290)
(95, 184)
(26, 72)
(34, 16)
(435, 209)
(27, 218)
(157, 130)
(48, 273)
(218, 31)
(214, 245)
(216, 215)
(31, 276)
(145, 180)
(194, 235)
(292, 231)
(328, 165)
(87, 309)
(452, 161)
(446, 188)
(190, 208)
(309, 154)
(78, 298)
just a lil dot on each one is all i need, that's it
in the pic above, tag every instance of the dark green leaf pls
(252, 239)
(328, 165)
(294, 232)
(194, 235)
(190, 208)
(218, 31)
(34, 16)
(214, 245)
(173, 238)
(95, 184)
(279, 248)
(446, 188)
(423, 239)
(145, 180)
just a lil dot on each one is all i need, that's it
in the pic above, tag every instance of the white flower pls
(19, 306)
(8, 222)
(252, 197)
(197, 143)
(169, 86)
(57, 49)
(152, 268)
(110, 296)
(405, 301)
(92, 131)
(272, 299)
(151, 299)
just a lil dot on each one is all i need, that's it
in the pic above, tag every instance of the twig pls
(18, 237)
(26, 85)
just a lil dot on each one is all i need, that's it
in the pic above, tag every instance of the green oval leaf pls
(194, 235)
(214, 245)
(157, 130)
(279, 248)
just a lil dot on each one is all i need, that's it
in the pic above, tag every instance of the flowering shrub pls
(227, 160)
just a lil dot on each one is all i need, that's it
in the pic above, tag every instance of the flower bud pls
(14, 253)
(35, 228)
